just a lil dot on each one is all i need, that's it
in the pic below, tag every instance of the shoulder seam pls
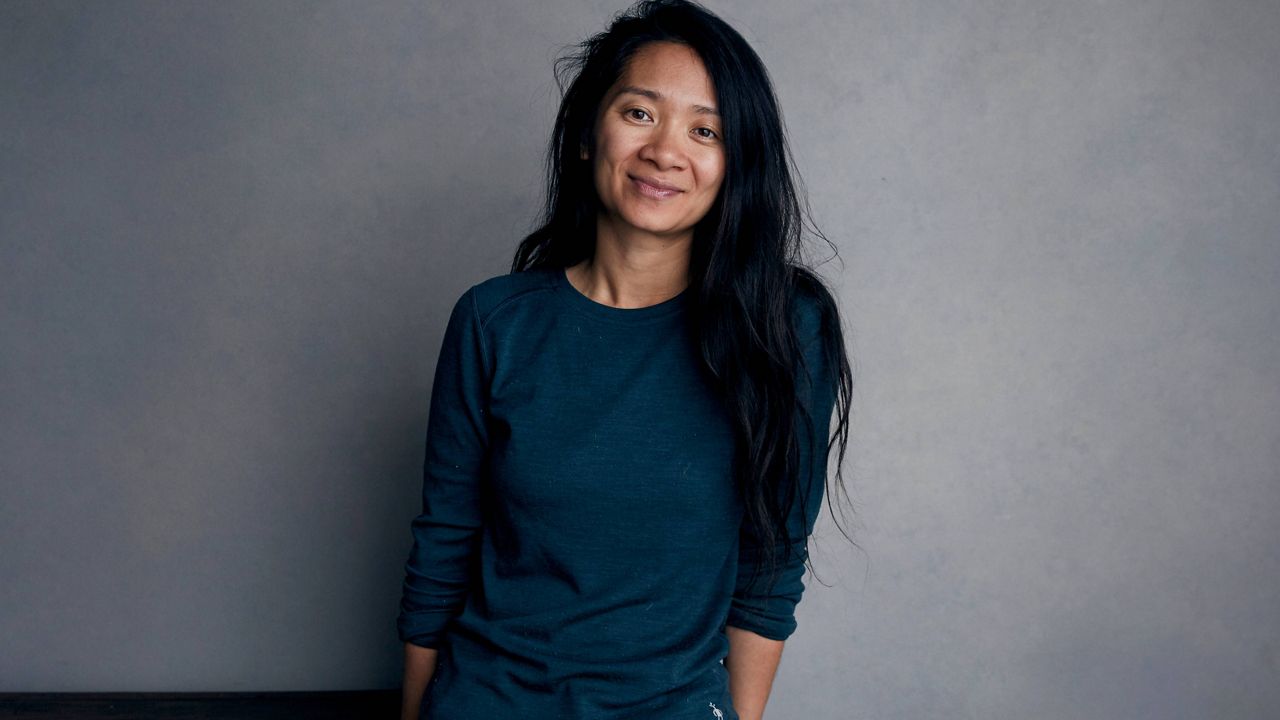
(504, 302)
(484, 346)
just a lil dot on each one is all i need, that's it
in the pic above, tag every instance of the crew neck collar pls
(581, 303)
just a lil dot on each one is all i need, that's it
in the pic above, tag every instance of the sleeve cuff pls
(773, 628)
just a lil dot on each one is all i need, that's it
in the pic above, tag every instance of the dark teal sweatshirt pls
(578, 554)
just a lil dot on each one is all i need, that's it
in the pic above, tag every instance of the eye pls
(630, 112)
(710, 134)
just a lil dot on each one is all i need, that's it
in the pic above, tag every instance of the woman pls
(628, 434)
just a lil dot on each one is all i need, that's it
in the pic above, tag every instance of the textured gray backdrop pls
(232, 232)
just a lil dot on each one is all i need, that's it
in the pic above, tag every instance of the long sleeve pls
(770, 612)
(446, 534)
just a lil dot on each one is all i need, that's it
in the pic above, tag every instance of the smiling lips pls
(654, 188)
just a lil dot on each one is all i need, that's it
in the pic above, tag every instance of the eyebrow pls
(656, 96)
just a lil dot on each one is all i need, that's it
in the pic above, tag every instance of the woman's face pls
(659, 157)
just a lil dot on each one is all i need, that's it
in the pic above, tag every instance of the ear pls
(582, 152)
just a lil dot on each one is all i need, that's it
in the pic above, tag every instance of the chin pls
(664, 220)
(655, 227)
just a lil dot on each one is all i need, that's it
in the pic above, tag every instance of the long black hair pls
(747, 260)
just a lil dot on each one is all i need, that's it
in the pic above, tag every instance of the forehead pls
(674, 70)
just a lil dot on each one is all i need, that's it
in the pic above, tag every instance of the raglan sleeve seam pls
(485, 362)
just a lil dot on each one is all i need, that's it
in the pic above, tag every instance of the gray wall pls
(231, 234)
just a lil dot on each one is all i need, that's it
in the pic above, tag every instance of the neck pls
(633, 271)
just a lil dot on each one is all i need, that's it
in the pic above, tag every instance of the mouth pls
(651, 187)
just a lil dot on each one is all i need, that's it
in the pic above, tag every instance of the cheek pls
(613, 146)
(712, 172)
(606, 161)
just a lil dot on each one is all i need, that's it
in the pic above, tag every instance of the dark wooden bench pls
(363, 704)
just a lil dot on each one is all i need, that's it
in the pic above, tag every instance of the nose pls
(663, 148)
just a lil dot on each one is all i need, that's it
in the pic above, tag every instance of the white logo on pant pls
(715, 710)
